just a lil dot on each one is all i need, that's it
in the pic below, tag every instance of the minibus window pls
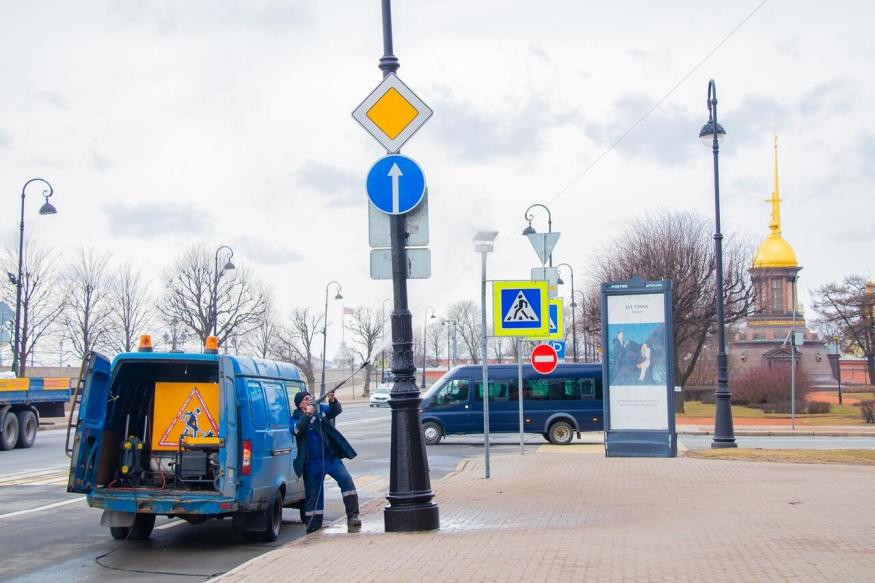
(498, 390)
(536, 389)
(257, 408)
(454, 393)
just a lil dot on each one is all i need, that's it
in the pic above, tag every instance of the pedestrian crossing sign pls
(557, 322)
(184, 409)
(520, 308)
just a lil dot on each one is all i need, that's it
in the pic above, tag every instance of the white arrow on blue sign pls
(396, 184)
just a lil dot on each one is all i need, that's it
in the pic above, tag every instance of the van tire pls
(560, 433)
(27, 427)
(432, 433)
(140, 530)
(9, 430)
(273, 515)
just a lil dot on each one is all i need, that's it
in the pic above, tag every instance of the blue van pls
(567, 401)
(195, 436)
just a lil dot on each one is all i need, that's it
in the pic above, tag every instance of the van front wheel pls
(561, 433)
(432, 433)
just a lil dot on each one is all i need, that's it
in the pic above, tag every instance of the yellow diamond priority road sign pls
(392, 113)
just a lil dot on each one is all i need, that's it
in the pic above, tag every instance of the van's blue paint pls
(240, 379)
(467, 417)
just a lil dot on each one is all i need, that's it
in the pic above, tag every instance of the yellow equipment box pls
(184, 409)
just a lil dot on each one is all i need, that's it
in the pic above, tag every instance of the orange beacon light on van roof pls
(211, 346)
(145, 343)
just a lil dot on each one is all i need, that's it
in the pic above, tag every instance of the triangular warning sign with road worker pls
(184, 409)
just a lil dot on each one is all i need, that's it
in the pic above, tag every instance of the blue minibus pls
(195, 436)
(557, 405)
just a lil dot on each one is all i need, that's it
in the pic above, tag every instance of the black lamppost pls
(529, 230)
(712, 134)
(573, 306)
(337, 296)
(425, 340)
(217, 276)
(46, 209)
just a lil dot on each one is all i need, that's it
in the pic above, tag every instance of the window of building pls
(777, 295)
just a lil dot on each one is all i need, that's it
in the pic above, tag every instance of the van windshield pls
(438, 385)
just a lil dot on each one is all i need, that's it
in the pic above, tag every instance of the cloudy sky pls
(166, 123)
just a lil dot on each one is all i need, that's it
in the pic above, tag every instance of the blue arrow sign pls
(396, 184)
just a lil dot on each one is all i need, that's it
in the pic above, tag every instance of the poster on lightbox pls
(637, 361)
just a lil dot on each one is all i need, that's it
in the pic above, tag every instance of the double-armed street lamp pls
(573, 306)
(217, 275)
(529, 230)
(711, 134)
(425, 340)
(337, 296)
(45, 209)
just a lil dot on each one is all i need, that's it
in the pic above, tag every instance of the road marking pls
(36, 478)
(170, 524)
(47, 507)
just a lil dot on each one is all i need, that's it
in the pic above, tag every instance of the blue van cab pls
(195, 436)
(557, 405)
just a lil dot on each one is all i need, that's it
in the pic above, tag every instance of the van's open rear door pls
(89, 428)
(229, 431)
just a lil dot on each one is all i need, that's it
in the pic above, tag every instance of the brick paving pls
(578, 516)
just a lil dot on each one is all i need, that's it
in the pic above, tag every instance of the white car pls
(380, 396)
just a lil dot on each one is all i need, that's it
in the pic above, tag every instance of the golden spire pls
(775, 225)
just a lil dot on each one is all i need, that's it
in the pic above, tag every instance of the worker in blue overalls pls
(320, 450)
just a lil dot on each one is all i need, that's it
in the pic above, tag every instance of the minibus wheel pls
(432, 433)
(561, 433)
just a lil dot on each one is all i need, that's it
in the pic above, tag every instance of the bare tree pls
(87, 313)
(194, 290)
(129, 307)
(500, 347)
(366, 326)
(42, 296)
(295, 342)
(262, 340)
(679, 246)
(435, 341)
(467, 314)
(849, 309)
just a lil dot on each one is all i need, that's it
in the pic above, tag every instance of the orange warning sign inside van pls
(184, 409)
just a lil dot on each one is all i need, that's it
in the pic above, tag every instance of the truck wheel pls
(432, 433)
(561, 433)
(27, 426)
(140, 530)
(9, 430)
(274, 517)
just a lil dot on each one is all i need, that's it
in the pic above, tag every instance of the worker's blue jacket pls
(335, 444)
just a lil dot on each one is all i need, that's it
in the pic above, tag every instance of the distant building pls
(762, 340)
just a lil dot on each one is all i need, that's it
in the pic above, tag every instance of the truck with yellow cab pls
(196, 436)
(23, 401)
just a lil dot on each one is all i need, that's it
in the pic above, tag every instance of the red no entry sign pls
(544, 358)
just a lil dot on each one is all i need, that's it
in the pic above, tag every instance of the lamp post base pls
(414, 518)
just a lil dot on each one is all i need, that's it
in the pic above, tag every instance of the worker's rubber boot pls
(351, 503)
(314, 522)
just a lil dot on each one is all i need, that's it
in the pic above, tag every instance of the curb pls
(782, 433)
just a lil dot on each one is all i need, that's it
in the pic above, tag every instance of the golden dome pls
(775, 251)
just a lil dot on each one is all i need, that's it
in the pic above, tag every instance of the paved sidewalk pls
(570, 514)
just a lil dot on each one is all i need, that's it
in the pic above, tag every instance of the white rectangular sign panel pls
(418, 263)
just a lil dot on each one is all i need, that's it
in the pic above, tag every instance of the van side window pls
(498, 390)
(454, 393)
(278, 404)
(293, 389)
(257, 406)
(536, 389)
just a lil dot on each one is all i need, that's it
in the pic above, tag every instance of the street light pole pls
(218, 274)
(530, 217)
(573, 318)
(724, 435)
(46, 209)
(410, 497)
(484, 243)
(338, 296)
(425, 340)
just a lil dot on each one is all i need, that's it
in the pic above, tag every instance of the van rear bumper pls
(152, 502)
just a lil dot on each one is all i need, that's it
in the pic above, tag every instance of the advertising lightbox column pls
(638, 369)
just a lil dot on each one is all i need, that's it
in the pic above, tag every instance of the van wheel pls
(546, 436)
(432, 433)
(561, 433)
(27, 426)
(140, 530)
(10, 432)
(274, 517)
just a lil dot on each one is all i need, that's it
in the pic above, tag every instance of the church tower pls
(777, 312)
